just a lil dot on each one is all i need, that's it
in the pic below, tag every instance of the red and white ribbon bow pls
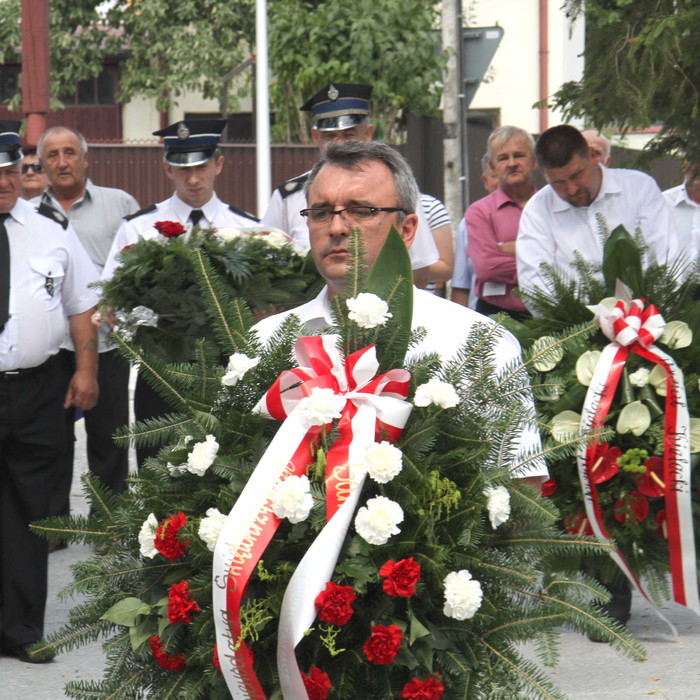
(633, 328)
(374, 408)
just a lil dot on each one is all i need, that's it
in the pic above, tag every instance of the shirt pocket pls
(46, 279)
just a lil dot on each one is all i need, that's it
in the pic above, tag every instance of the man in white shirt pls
(562, 218)
(368, 184)
(684, 201)
(340, 112)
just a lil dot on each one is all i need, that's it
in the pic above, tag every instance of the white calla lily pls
(695, 434)
(676, 335)
(550, 354)
(585, 366)
(634, 418)
(658, 379)
(565, 425)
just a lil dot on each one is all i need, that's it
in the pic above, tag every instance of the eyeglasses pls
(351, 215)
(34, 167)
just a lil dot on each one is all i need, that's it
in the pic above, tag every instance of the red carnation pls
(651, 483)
(180, 606)
(636, 504)
(429, 689)
(603, 465)
(577, 524)
(167, 661)
(383, 645)
(335, 603)
(317, 684)
(166, 540)
(170, 229)
(549, 487)
(400, 578)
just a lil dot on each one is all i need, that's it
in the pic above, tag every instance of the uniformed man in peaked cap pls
(44, 278)
(340, 112)
(192, 160)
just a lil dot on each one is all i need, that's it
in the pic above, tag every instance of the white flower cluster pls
(497, 504)
(383, 461)
(202, 456)
(147, 535)
(321, 407)
(274, 237)
(437, 392)
(292, 499)
(378, 520)
(640, 378)
(463, 595)
(368, 310)
(210, 527)
(238, 365)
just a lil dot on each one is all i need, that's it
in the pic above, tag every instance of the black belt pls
(8, 375)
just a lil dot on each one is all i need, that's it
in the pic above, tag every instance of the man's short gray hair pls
(351, 154)
(503, 134)
(57, 129)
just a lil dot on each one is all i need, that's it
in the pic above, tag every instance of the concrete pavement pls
(586, 671)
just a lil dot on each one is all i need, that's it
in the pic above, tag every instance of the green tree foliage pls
(641, 69)
(168, 48)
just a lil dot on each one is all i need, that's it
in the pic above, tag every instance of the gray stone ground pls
(586, 671)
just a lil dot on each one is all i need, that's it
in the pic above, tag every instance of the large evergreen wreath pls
(432, 606)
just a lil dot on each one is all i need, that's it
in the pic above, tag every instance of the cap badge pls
(182, 131)
(333, 93)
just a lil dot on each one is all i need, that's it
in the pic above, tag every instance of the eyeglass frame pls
(332, 213)
(34, 167)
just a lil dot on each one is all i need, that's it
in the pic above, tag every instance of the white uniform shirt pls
(217, 215)
(283, 213)
(49, 277)
(447, 325)
(551, 229)
(686, 215)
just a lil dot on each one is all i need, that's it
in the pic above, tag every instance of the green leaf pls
(418, 630)
(139, 634)
(126, 611)
(622, 260)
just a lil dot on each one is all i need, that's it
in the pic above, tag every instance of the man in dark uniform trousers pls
(44, 278)
(193, 160)
(340, 112)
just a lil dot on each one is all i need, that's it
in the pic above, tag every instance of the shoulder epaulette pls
(48, 211)
(145, 210)
(294, 185)
(241, 212)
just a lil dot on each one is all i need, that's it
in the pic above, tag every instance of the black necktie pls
(196, 216)
(4, 273)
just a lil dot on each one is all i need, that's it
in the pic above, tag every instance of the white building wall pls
(515, 83)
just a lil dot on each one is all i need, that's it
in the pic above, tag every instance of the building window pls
(100, 90)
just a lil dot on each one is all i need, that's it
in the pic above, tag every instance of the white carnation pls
(210, 527)
(321, 407)
(292, 499)
(368, 310)
(202, 456)
(274, 237)
(640, 378)
(378, 520)
(383, 461)
(436, 392)
(463, 595)
(229, 234)
(147, 536)
(238, 365)
(497, 504)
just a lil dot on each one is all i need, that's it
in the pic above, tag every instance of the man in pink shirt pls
(493, 222)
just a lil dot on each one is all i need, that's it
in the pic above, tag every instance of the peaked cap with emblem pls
(10, 147)
(339, 106)
(191, 141)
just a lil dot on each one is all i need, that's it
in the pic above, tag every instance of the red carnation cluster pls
(429, 689)
(400, 578)
(170, 662)
(166, 540)
(334, 604)
(180, 605)
(383, 645)
(169, 229)
(317, 684)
